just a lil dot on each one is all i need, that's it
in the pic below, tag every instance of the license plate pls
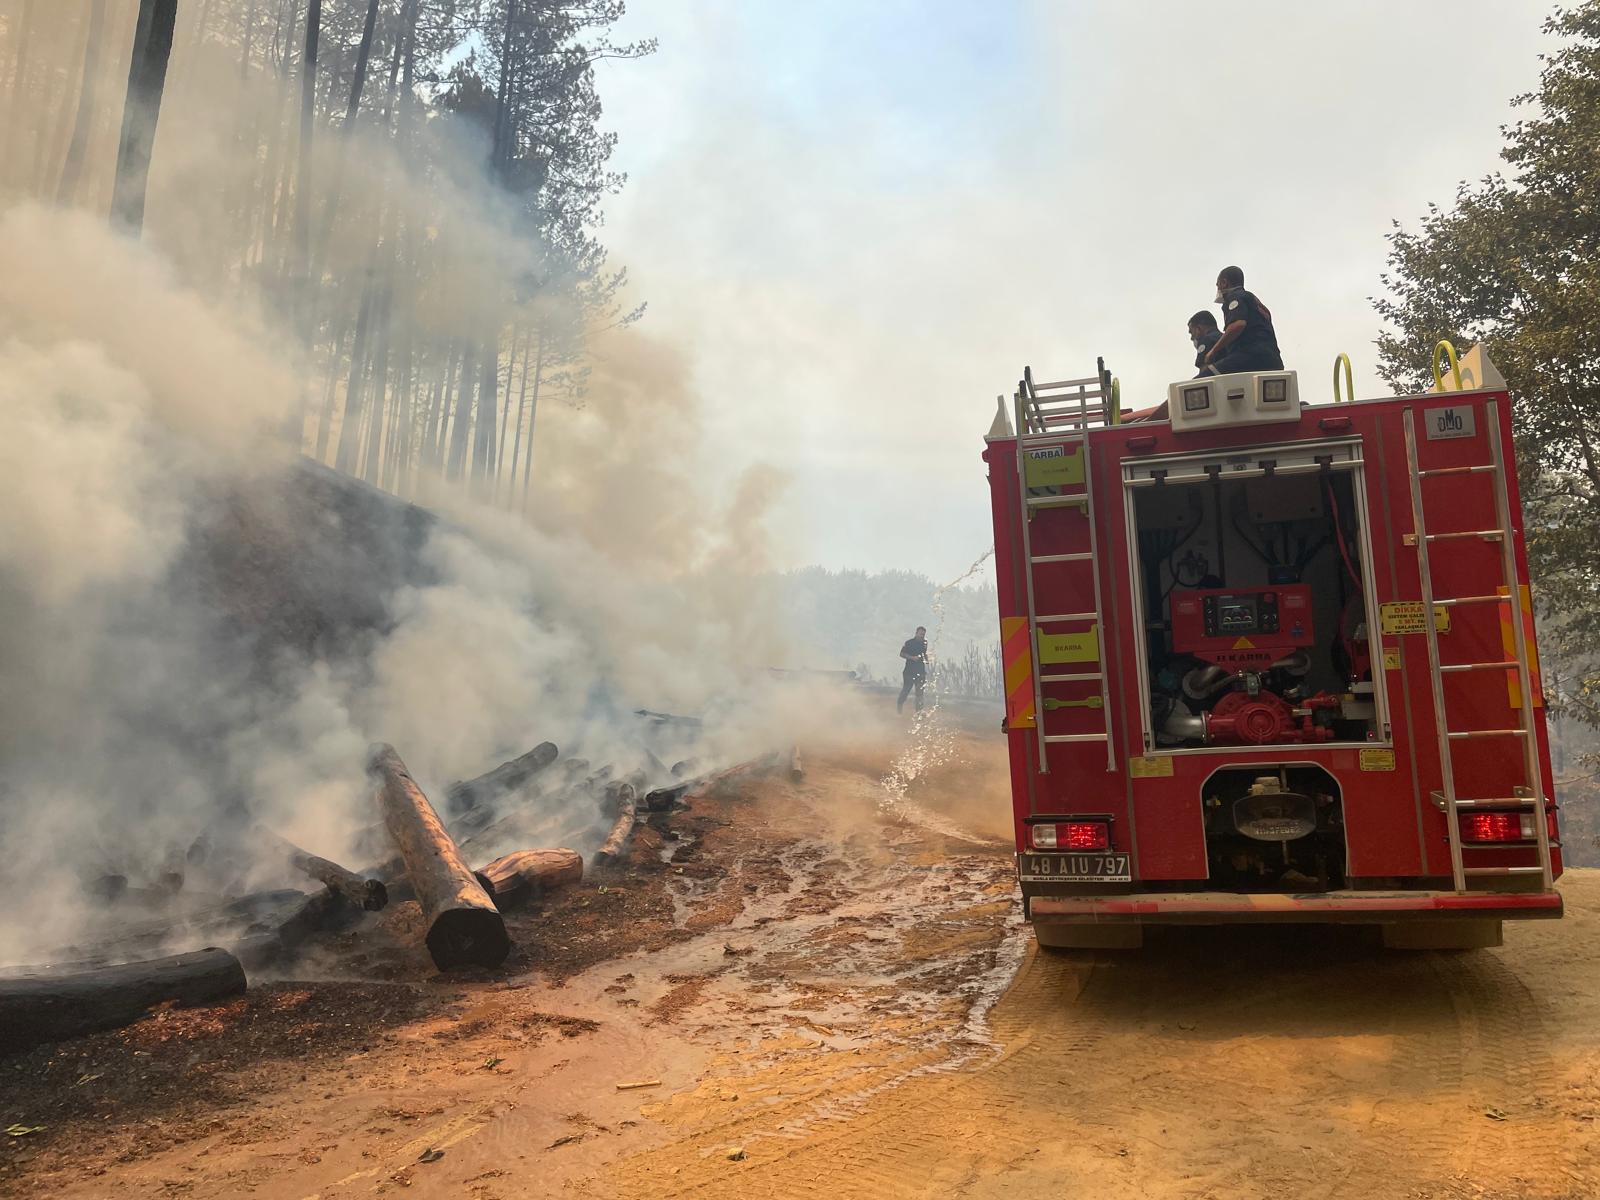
(1075, 868)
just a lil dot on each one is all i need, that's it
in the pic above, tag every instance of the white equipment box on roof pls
(1221, 401)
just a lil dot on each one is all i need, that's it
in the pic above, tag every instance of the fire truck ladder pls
(1526, 731)
(1060, 415)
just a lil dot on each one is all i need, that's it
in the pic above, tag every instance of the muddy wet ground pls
(821, 988)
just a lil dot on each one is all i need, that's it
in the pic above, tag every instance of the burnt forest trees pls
(1515, 263)
(411, 189)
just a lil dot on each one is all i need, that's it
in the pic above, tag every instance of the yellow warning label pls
(1377, 760)
(1054, 467)
(1079, 647)
(1391, 658)
(1405, 616)
(1150, 766)
(1244, 643)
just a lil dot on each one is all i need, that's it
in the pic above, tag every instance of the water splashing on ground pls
(933, 743)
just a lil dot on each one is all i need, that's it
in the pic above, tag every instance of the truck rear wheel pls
(1473, 934)
(1057, 936)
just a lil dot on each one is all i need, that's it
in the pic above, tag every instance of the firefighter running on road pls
(915, 652)
(1248, 341)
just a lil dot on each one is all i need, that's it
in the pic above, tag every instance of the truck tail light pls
(1505, 827)
(1071, 835)
(1493, 827)
(1086, 835)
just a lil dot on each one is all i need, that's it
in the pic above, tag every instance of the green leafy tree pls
(1515, 264)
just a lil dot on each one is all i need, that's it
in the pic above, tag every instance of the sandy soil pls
(825, 988)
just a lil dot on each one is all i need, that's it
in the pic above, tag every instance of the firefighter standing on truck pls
(1248, 341)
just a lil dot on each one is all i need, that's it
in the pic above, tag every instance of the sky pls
(859, 221)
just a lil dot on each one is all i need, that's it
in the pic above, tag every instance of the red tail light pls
(1085, 835)
(1071, 835)
(1505, 827)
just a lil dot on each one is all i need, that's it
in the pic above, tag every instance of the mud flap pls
(1477, 933)
(1056, 935)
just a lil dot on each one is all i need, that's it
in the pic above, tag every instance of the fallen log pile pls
(528, 800)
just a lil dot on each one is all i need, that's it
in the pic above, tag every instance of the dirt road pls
(834, 998)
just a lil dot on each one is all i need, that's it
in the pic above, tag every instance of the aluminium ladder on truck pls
(1526, 732)
(1058, 416)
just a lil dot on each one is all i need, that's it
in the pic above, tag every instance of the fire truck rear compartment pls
(1277, 828)
(1254, 611)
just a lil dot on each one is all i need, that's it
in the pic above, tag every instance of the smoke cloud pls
(184, 643)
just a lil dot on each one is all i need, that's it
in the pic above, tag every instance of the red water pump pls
(1265, 719)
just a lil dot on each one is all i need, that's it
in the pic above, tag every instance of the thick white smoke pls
(161, 580)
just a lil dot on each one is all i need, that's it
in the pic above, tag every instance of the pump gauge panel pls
(1243, 629)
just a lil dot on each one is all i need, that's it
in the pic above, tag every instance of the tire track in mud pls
(879, 1141)
(1431, 1034)
(1508, 1067)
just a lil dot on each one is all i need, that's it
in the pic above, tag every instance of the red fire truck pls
(1268, 662)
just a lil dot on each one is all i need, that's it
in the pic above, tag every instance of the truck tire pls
(1476, 933)
(1056, 936)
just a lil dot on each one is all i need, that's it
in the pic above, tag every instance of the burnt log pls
(663, 799)
(464, 927)
(507, 777)
(278, 937)
(48, 1005)
(797, 772)
(368, 894)
(520, 876)
(619, 797)
(661, 718)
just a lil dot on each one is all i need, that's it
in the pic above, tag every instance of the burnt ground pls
(361, 1037)
(820, 988)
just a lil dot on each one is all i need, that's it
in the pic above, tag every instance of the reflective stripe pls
(1017, 652)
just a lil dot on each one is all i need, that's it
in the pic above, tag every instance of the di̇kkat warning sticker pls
(1406, 616)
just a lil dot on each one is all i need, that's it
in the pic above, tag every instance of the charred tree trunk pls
(72, 167)
(49, 1006)
(522, 875)
(533, 415)
(621, 795)
(463, 414)
(19, 77)
(488, 389)
(350, 425)
(302, 183)
(147, 78)
(464, 928)
(368, 894)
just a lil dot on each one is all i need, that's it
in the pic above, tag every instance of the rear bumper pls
(1226, 908)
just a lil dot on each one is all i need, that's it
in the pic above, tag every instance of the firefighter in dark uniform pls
(1248, 341)
(915, 674)
(1203, 332)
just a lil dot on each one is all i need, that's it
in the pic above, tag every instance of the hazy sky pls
(860, 220)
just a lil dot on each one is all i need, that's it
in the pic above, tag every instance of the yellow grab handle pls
(1455, 365)
(1116, 401)
(1349, 385)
